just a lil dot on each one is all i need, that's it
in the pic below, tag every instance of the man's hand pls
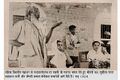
(56, 25)
(16, 43)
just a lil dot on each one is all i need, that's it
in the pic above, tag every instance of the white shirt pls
(72, 39)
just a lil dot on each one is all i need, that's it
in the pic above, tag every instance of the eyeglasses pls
(59, 44)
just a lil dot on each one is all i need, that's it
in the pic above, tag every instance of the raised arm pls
(51, 30)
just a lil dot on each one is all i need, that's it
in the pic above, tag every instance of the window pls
(106, 36)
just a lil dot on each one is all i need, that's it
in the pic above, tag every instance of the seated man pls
(97, 56)
(61, 58)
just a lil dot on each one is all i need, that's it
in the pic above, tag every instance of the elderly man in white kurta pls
(28, 38)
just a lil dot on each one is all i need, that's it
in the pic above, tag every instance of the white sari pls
(59, 58)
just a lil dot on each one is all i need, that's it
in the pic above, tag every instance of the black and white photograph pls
(60, 35)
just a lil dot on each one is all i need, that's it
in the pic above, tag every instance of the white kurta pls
(32, 52)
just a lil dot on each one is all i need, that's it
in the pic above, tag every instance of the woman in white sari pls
(28, 40)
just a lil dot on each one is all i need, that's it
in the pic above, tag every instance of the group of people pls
(28, 41)
(68, 55)
(66, 52)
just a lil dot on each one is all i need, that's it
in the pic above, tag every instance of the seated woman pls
(98, 57)
(60, 58)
